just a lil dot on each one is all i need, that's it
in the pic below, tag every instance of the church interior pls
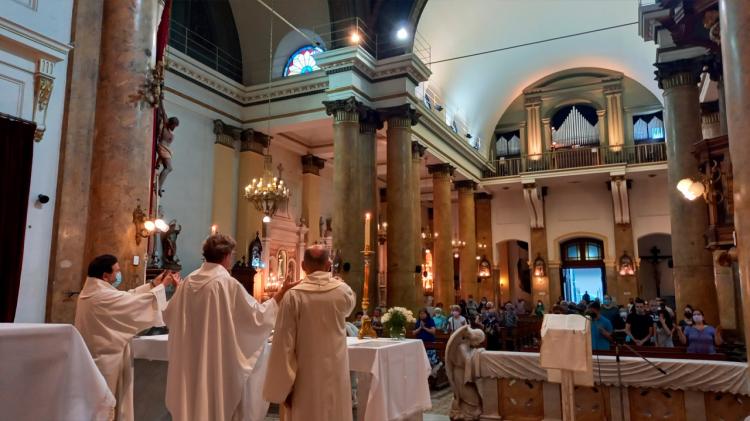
(547, 157)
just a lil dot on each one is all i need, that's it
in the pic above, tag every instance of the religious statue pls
(461, 347)
(166, 127)
(169, 246)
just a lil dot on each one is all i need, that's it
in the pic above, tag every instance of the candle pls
(367, 231)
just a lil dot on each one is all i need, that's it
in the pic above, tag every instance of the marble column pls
(369, 197)
(735, 47)
(442, 216)
(467, 232)
(67, 264)
(121, 156)
(488, 287)
(417, 157)
(251, 165)
(226, 163)
(400, 216)
(348, 215)
(311, 166)
(693, 264)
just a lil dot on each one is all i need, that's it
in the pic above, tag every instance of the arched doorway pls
(582, 269)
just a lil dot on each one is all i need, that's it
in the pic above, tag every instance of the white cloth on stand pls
(48, 374)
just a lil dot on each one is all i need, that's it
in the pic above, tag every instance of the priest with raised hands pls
(308, 369)
(217, 332)
(108, 319)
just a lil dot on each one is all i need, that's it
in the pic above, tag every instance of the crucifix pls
(655, 259)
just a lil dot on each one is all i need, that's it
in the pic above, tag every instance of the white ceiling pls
(482, 87)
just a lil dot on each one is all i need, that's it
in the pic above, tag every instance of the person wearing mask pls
(376, 325)
(618, 323)
(489, 322)
(424, 329)
(539, 309)
(472, 308)
(664, 329)
(358, 319)
(108, 318)
(456, 320)
(639, 325)
(609, 309)
(439, 319)
(482, 303)
(700, 338)
(601, 328)
(521, 307)
(687, 317)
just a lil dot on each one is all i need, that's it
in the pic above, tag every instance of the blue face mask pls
(118, 280)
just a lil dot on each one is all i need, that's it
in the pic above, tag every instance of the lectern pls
(566, 354)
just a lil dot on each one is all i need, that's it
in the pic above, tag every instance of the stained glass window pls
(302, 61)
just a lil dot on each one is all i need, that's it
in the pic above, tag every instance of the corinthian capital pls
(676, 73)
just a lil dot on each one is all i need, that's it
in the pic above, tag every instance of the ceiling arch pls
(482, 87)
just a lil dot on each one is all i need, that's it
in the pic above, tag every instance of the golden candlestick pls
(366, 330)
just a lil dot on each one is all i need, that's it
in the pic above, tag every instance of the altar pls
(391, 378)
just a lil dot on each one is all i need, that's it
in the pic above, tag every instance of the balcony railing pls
(193, 45)
(580, 158)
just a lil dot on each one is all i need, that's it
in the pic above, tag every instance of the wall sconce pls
(483, 268)
(145, 227)
(627, 268)
(539, 269)
(703, 187)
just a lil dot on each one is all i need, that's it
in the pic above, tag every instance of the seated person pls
(376, 324)
(424, 329)
(700, 338)
(358, 319)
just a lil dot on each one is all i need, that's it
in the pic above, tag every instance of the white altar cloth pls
(397, 372)
(696, 375)
(47, 373)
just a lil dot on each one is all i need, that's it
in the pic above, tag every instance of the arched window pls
(302, 61)
(582, 250)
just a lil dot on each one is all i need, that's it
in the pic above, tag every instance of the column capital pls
(469, 185)
(601, 113)
(226, 134)
(482, 196)
(344, 110)
(441, 169)
(254, 141)
(612, 89)
(417, 150)
(400, 115)
(685, 72)
(369, 120)
(312, 164)
(532, 101)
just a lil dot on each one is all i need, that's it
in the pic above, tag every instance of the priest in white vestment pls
(108, 319)
(217, 332)
(308, 370)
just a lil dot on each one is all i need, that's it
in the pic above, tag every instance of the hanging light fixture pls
(627, 268)
(268, 193)
(539, 267)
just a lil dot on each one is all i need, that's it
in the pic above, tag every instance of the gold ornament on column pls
(366, 330)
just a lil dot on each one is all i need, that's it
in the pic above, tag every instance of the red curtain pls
(16, 154)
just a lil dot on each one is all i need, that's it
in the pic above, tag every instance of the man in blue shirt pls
(601, 328)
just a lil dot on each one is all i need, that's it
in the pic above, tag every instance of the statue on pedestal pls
(169, 246)
(166, 127)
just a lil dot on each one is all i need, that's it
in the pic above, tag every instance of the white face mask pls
(456, 313)
(697, 318)
(623, 314)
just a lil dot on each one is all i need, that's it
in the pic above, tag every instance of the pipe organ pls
(575, 131)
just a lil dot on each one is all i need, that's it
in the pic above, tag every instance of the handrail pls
(195, 46)
(580, 158)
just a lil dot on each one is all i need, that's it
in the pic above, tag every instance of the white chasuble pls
(108, 319)
(216, 334)
(308, 369)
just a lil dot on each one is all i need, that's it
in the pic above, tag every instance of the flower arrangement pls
(396, 319)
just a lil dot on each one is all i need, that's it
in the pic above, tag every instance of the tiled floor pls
(441, 401)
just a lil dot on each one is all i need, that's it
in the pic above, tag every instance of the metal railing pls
(193, 45)
(580, 158)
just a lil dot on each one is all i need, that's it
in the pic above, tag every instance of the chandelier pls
(267, 193)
